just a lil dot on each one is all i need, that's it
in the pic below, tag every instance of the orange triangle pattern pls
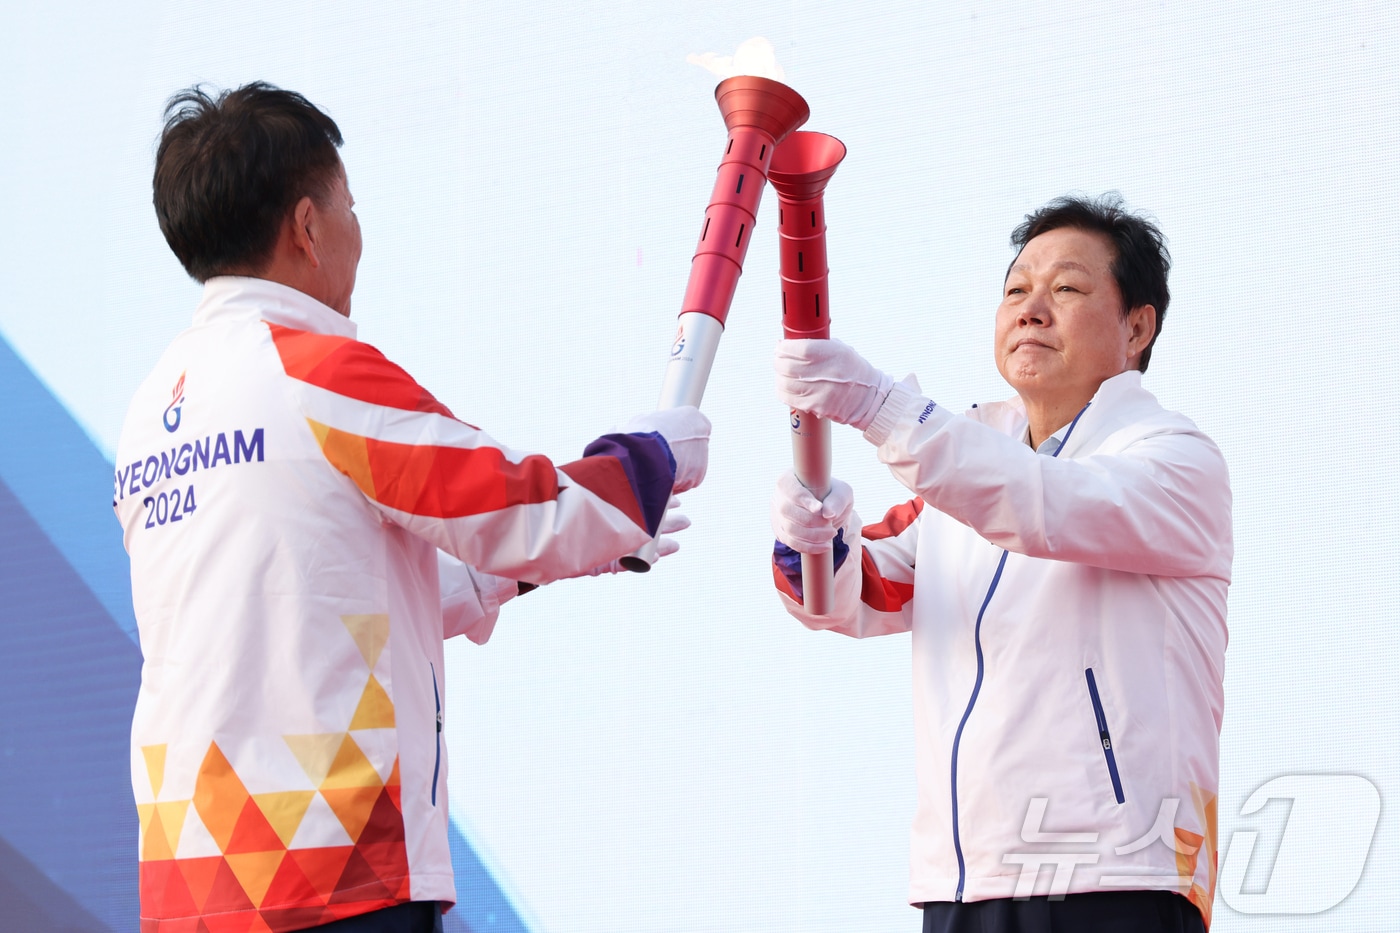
(156, 844)
(255, 871)
(351, 768)
(376, 710)
(352, 806)
(371, 634)
(257, 885)
(315, 753)
(252, 832)
(284, 811)
(349, 453)
(219, 796)
(155, 767)
(172, 818)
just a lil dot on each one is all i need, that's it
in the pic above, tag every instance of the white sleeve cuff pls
(904, 395)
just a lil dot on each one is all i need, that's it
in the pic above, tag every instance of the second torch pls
(801, 167)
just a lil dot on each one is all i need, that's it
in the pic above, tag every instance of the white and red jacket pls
(1068, 619)
(284, 491)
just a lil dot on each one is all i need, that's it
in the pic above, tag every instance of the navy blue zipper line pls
(1104, 738)
(437, 708)
(977, 685)
(971, 701)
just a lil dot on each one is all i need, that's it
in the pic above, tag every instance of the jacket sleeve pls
(1158, 503)
(874, 591)
(471, 600)
(503, 512)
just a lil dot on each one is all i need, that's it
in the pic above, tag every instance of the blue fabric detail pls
(650, 466)
(789, 562)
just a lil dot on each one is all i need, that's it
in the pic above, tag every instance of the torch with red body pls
(799, 172)
(759, 114)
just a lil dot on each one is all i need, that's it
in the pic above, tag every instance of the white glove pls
(803, 522)
(671, 523)
(830, 380)
(687, 431)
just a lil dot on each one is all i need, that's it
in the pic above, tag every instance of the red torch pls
(799, 172)
(759, 114)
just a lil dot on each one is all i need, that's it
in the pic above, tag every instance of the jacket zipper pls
(1104, 737)
(437, 757)
(957, 738)
(977, 686)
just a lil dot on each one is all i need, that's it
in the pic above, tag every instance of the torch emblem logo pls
(796, 419)
(177, 396)
(679, 346)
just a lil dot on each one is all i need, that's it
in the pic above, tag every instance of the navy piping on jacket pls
(1104, 739)
(437, 754)
(977, 684)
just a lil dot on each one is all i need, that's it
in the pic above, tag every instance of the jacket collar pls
(229, 296)
(1009, 416)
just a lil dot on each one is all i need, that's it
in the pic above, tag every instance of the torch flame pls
(753, 57)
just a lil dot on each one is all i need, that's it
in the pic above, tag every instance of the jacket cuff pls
(904, 396)
(495, 591)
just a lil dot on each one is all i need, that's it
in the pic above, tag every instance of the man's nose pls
(1035, 311)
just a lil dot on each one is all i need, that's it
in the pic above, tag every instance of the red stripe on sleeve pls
(606, 479)
(451, 482)
(878, 593)
(352, 369)
(896, 520)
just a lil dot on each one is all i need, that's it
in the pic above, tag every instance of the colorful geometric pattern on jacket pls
(447, 480)
(262, 880)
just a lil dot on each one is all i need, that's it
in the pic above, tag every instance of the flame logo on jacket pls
(177, 395)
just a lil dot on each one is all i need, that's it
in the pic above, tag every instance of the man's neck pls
(1047, 417)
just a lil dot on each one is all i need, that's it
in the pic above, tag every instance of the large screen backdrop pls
(671, 752)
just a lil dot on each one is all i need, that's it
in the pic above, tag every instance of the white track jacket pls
(1068, 619)
(284, 491)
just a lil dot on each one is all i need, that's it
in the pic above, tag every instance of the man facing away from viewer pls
(306, 524)
(1063, 568)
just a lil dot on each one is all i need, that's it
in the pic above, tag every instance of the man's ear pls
(303, 223)
(1142, 327)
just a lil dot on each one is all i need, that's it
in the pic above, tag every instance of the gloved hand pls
(671, 523)
(803, 522)
(687, 431)
(830, 380)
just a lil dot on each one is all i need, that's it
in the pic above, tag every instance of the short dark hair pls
(1140, 258)
(229, 168)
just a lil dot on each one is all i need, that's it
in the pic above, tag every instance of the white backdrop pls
(671, 752)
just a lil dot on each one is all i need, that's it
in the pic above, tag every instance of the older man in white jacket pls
(1063, 568)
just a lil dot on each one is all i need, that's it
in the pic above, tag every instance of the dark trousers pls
(1094, 912)
(413, 917)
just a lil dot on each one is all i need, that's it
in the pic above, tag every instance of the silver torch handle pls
(692, 356)
(811, 461)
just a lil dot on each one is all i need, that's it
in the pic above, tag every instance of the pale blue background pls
(671, 752)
